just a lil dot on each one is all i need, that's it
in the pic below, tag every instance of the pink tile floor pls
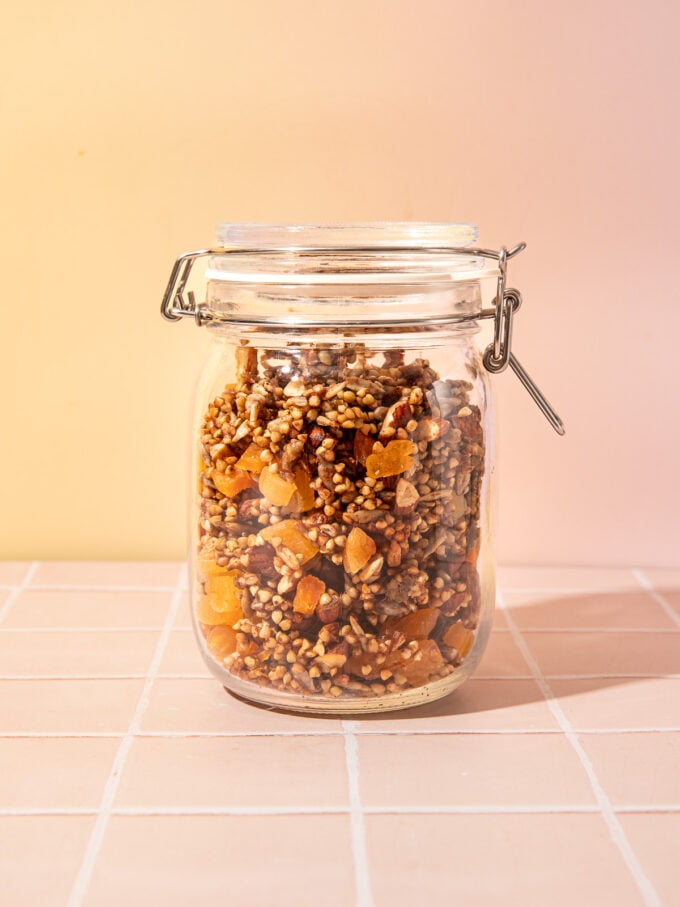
(127, 775)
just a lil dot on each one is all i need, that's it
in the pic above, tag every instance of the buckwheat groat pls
(339, 524)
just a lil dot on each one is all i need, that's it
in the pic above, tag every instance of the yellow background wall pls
(130, 129)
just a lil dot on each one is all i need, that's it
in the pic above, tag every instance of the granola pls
(339, 524)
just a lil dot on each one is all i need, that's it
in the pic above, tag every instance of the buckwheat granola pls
(339, 524)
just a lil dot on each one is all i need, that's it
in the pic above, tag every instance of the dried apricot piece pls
(222, 641)
(307, 594)
(210, 611)
(459, 637)
(359, 548)
(422, 666)
(250, 460)
(209, 567)
(417, 625)
(275, 488)
(221, 604)
(363, 666)
(290, 534)
(396, 457)
(223, 585)
(304, 497)
(200, 470)
(231, 482)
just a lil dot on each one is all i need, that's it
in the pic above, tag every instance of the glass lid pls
(354, 253)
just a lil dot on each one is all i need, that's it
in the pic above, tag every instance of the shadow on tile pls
(599, 651)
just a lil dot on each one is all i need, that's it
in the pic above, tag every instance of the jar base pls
(280, 701)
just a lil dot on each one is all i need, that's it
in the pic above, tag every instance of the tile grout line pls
(94, 844)
(658, 598)
(364, 897)
(617, 834)
(17, 590)
(424, 732)
(145, 628)
(97, 587)
(599, 630)
(568, 592)
(487, 678)
(403, 810)
(113, 587)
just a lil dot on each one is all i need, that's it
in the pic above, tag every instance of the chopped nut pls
(429, 429)
(328, 612)
(294, 388)
(394, 554)
(331, 660)
(397, 416)
(406, 496)
(246, 363)
(372, 570)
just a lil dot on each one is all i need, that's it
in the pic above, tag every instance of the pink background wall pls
(132, 128)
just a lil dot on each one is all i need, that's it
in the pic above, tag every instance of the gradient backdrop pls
(130, 129)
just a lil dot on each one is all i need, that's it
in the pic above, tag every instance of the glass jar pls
(341, 495)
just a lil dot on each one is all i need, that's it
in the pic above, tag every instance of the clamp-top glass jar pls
(342, 552)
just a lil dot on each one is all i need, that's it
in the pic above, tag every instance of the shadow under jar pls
(341, 552)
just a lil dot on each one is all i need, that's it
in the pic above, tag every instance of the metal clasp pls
(174, 305)
(498, 355)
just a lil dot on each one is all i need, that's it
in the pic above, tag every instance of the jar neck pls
(299, 307)
(378, 337)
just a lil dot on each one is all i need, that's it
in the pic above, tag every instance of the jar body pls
(342, 556)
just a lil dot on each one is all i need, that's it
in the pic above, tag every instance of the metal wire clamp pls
(174, 306)
(497, 356)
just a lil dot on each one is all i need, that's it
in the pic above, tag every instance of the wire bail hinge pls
(498, 355)
(175, 304)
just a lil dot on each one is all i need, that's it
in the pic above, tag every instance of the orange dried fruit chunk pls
(250, 460)
(209, 567)
(363, 666)
(459, 637)
(359, 548)
(417, 625)
(396, 457)
(221, 604)
(307, 594)
(200, 469)
(208, 613)
(222, 641)
(231, 482)
(304, 497)
(223, 585)
(424, 664)
(275, 488)
(290, 534)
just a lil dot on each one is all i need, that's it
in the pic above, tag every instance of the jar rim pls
(337, 235)
(351, 254)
